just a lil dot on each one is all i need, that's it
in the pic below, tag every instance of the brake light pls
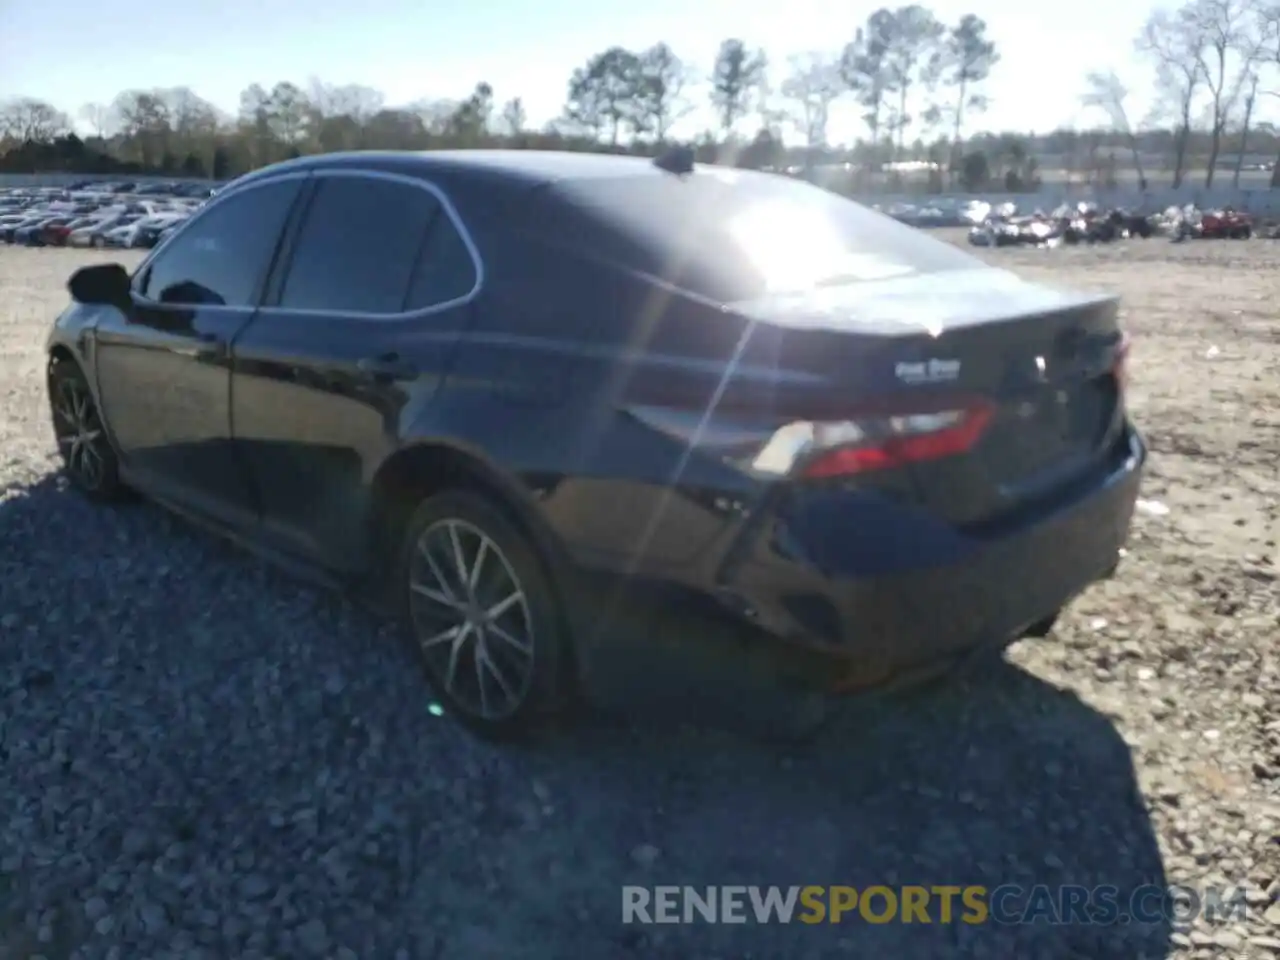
(910, 439)
(1120, 366)
(823, 449)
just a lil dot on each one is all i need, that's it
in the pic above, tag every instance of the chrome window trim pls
(450, 210)
(227, 193)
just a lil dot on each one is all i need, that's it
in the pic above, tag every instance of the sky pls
(71, 52)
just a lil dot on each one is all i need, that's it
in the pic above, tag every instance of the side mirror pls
(106, 284)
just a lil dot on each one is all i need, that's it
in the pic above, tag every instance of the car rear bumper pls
(949, 592)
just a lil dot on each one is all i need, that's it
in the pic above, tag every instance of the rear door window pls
(359, 246)
(445, 271)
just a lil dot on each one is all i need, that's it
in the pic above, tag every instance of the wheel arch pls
(61, 353)
(63, 350)
(426, 467)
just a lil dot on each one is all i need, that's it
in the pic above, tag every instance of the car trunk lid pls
(1040, 362)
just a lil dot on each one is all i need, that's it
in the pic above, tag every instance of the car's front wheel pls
(87, 455)
(483, 616)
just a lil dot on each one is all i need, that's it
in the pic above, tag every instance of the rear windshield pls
(730, 235)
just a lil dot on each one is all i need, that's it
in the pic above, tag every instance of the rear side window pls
(445, 270)
(359, 246)
(736, 235)
(220, 258)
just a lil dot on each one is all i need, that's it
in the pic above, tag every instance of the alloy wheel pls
(471, 619)
(79, 432)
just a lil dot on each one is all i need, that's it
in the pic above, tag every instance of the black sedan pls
(499, 391)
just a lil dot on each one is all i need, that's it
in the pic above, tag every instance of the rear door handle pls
(388, 366)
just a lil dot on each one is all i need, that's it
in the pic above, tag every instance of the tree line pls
(919, 85)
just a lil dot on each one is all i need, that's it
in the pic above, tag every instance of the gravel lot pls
(201, 757)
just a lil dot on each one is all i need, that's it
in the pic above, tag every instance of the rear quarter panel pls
(535, 386)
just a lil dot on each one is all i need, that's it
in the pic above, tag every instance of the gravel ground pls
(201, 757)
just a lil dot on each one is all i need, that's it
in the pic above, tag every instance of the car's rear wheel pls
(87, 455)
(482, 615)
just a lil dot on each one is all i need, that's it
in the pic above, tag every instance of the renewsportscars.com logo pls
(1006, 905)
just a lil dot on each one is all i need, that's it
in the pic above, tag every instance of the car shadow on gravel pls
(997, 779)
(243, 753)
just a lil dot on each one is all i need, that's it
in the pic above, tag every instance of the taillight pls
(822, 449)
(898, 441)
(1120, 366)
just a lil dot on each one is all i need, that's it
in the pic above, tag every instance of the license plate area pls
(1046, 425)
(1042, 437)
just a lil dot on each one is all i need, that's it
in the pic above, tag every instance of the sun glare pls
(796, 247)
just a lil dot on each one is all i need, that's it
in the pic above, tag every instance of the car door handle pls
(202, 346)
(388, 366)
(211, 346)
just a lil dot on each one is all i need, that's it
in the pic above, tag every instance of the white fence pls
(1260, 202)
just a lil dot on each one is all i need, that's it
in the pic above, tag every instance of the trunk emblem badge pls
(933, 370)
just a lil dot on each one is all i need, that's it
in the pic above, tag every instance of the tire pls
(88, 459)
(522, 680)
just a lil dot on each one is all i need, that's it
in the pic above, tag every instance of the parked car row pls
(1191, 223)
(94, 215)
(1004, 226)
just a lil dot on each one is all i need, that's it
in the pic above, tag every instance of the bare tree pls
(27, 119)
(255, 123)
(1250, 100)
(1107, 94)
(863, 68)
(193, 123)
(144, 119)
(1231, 48)
(514, 117)
(661, 93)
(911, 57)
(339, 115)
(288, 113)
(354, 100)
(434, 115)
(1269, 55)
(1176, 46)
(966, 60)
(393, 128)
(98, 118)
(813, 85)
(471, 120)
(602, 94)
(737, 79)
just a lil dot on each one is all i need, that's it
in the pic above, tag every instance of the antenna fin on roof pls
(678, 160)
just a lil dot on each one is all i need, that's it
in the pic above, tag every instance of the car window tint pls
(445, 270)
(220, 258)
(731, 236)
(358, 246)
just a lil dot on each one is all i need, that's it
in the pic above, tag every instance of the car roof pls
(515, 167)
